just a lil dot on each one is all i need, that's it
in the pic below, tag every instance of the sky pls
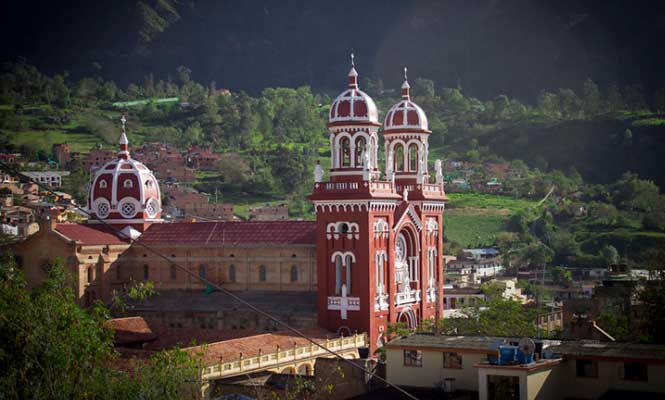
(491, 47)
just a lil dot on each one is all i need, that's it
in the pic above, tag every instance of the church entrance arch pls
(408, 317)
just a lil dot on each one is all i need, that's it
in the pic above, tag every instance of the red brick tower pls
(379, 242)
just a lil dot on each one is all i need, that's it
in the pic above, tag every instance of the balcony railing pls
(240, 365)
(407, 297)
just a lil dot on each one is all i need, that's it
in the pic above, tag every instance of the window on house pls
(90, 274)
(413, 358)
(262, 273)
(294, 274)
(146, 272)
(103, 184)
(586, 368)
(173, 272)
(635, 371)
(452, 360)
(232, 273)
(128, 183)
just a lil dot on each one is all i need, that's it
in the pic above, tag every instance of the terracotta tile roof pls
(250, 346)
(89, 234)
(130, 330)
(232, 233)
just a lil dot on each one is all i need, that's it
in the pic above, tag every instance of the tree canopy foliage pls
(50, 348)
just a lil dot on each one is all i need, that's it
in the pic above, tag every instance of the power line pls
(14, 171)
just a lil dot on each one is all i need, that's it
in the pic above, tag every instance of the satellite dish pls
(527, 345)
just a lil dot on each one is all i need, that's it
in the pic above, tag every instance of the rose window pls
(102, 210)
(128, 209)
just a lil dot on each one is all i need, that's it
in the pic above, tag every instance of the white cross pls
(124, 121)
(344, 303)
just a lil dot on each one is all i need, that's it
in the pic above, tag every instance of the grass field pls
(44, 140)
(473, 219)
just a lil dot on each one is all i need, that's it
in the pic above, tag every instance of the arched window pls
(202, 271)
(262, 273)
(413, 157)
(346, 152)
(146, 272)
(372, 151)
(360, 148)
(232, 273)
(338, 275)
(90, 275)
(173, 272)
(128, 183)
(103, 184)
(380, 273)
(348, 274)
(294, 274)
(399, 158)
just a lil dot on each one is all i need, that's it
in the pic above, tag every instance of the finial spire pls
(406, 95)
(124, 121)
(124, 143)
(353, 74)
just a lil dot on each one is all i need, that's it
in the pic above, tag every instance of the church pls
(372, 257)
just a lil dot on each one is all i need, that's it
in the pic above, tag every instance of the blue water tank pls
(507, 355)
(524, 358)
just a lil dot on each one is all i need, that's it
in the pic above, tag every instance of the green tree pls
(51, 348)
(609, 254)
(591, 99)
(495, 317)
(615, 101)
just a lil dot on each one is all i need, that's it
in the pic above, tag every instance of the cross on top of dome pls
(124, 143)
(353, 74)
(406, 95)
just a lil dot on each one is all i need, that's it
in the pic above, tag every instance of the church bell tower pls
(378, 240)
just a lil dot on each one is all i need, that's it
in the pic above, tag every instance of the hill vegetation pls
(572, 149)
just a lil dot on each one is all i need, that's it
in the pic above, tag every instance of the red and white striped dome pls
(353, 106)
(125, 190)
(406, 115)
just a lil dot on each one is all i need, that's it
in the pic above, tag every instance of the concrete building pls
(278, 212)
(49, 178)
(563, 369)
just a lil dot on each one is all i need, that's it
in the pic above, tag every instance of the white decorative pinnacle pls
(123, 137)
(405, 85)
(353, 71)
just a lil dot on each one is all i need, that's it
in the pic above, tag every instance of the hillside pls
(601, 149)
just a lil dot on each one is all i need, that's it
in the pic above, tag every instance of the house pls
(278, 212)
(560, 370)
(62, 154)
(97, 157)
(49, 178)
